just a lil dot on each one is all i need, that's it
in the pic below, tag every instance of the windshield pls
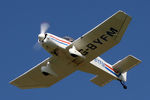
(68, 38)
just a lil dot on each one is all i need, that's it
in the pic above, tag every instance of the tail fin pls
(124, 65)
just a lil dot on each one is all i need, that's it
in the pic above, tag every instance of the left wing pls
(35, 79)
(102, 37)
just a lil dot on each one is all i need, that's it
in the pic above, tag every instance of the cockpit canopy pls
(68, 38)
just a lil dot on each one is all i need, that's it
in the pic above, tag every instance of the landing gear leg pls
(55, 52)
(123, 84)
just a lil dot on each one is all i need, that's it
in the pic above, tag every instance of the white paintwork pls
(61, 64)
(123, 76)
(74, 51)
(41, 36)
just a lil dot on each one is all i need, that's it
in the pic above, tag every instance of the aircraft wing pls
(35, 79)
(102, 37)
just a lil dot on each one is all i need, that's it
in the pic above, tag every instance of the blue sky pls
(20, 24)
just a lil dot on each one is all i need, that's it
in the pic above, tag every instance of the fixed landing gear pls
(55, 52)
(45, 73)
(123, 84)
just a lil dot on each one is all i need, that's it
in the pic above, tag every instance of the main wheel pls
(73, 55)
(45, 73)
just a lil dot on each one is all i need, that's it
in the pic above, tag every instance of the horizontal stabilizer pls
(126, 64)
(102, 80)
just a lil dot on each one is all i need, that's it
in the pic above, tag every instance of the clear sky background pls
(20, 24)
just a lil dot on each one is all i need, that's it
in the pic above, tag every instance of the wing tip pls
(11, 82)
(138, 60)
(120, 11)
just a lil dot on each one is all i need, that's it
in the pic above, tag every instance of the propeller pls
(37, 46)
(44, 28)
(42, 35)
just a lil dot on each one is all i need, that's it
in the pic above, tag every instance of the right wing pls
(102, 37)
(35, 79)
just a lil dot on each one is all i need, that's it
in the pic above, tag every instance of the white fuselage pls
(54, 44)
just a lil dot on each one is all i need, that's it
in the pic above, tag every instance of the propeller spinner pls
(44, 28)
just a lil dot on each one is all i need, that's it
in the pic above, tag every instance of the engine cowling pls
(47, 70)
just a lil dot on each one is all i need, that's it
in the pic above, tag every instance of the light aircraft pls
(82, 54)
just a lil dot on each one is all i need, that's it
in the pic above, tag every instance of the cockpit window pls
(68, 38)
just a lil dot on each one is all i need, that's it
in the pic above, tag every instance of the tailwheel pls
(125, 87)
(123, 84)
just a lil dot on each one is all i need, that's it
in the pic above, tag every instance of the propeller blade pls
(37, 46)
(44, 27)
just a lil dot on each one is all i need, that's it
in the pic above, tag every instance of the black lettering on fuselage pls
(112, 32)
(104, 37)
(97, 41)
(101, 40)
(83, 52)
(91, 46)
